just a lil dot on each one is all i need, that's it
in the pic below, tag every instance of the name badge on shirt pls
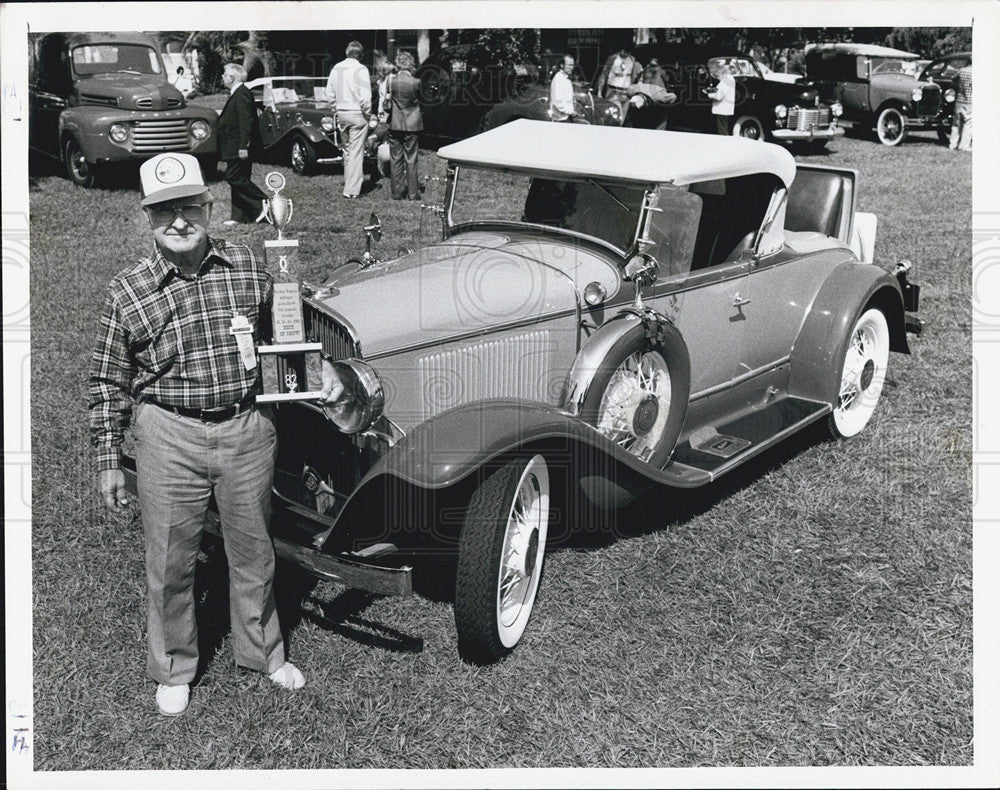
(240, 329)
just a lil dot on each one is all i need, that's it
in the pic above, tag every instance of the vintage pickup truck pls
(588, 327)
(101, 98)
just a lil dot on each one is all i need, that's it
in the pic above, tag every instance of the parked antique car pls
(588, 326)
(531, 101)
(102, 98)
(458, 86)
(776, 76)
(875, 88)
(765, 109)
(298, 124)
(944, 73)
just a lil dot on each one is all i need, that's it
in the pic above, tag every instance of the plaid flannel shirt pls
(164, 337)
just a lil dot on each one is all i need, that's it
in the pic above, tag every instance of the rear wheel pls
(302, 156)
(79, 170)
(500, 556)
(890, 126)
(862, 374)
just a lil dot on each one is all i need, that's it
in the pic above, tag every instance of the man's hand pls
(332, 388)
(111, 484)
(243, 153)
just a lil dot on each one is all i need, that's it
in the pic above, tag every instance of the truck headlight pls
(362, 400)
(200, 130)
(118, 132)
(837, 109)
(781, 111)
(327, 124)
(949, 95)
(918, 94)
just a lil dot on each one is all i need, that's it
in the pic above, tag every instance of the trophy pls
(290, 367)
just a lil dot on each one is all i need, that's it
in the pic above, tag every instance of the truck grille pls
(930, 103)
(321, 328)
(807, 119)
(154, 136)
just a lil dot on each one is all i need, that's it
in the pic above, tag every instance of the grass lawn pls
(815, 609)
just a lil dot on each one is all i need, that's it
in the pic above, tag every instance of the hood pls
(776, 92)
(128, 92)
(443, 291)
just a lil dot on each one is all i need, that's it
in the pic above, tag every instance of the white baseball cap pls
(169, 177)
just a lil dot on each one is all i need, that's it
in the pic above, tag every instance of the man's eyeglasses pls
(164, 215)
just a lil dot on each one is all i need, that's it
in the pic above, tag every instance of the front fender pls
(822, 340)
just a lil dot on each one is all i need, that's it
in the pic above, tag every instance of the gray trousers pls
(353, 132)
(180, 463)
(403, 149)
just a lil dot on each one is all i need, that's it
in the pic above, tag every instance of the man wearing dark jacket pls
(239, 135)
(405, 121)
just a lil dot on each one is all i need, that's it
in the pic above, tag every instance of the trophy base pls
(290, 372)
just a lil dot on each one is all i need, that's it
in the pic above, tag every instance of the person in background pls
(349, 89)
(562, 101)
(239, 139)
(649, 98)
(620, 70)
(405, 122)
(176, 345)
(961, 120)
(723, 96)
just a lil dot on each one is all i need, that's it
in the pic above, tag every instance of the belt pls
(212, 415)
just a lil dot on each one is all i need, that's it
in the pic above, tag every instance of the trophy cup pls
(290, 365)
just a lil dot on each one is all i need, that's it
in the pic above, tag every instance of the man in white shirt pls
(723, 96)
(349, 89)
(562, 105)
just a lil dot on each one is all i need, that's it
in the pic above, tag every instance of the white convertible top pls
(619, 154)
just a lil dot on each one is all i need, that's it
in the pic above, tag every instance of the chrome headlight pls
(362, 400)
(200, 130)
(918, 94)
(327, 124)
(118, 132)
(781, 111)
(594, 293)
(949, 95)
(837, 109)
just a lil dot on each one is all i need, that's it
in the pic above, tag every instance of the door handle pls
(739, 301)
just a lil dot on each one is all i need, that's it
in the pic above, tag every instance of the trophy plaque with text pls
(290, 366)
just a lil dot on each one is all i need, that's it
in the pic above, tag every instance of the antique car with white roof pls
(587, 328)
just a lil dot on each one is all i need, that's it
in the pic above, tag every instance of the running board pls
(711, 452)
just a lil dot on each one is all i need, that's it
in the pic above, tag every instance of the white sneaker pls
(172, 700)
(288, 676)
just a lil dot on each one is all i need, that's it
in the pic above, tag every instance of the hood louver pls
(101, 101)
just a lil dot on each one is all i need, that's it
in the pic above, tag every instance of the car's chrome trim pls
(735, 382)
(323, 308)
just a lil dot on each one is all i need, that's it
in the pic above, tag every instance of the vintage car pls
(765, 109)
(102, 98)
(531, 101)
(944, 73)
(298, 123)
(587, 328)
(776, 76)
(877, 87)
(459, 85)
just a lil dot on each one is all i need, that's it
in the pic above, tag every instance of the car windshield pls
(741, 67)
(291, 90)
(895, 67)
(609, 212)
(114, 58)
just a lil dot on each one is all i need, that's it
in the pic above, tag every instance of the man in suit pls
(239, 136)
(405, 121)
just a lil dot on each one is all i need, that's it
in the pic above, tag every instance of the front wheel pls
(749, 127)
(302, 155)
(890, 126)
(500, 556)
(862, 374)
(79, 170)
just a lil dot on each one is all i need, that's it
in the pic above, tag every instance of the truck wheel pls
(749, 127)
(303, 156)
(862, 374)
(500, 554)
(80, 172)
(890, 126)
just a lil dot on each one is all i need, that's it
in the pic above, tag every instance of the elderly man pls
(239, 138)
(349, 89)
(562, 101)
(177, 340)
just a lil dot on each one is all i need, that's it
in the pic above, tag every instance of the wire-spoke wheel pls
(636, 402)
(862, 374)
(890, 126)
(500, 557)
(302, 155)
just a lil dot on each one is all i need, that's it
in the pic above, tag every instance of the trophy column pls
(290, 367)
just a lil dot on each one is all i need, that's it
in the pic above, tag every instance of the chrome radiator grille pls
(515, 367)
(805, 119)
(170, 135)
(319, 327)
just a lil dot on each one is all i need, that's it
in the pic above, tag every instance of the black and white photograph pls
(473, 394)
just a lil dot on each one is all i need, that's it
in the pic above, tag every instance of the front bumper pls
(813, 133)
(292, 530)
